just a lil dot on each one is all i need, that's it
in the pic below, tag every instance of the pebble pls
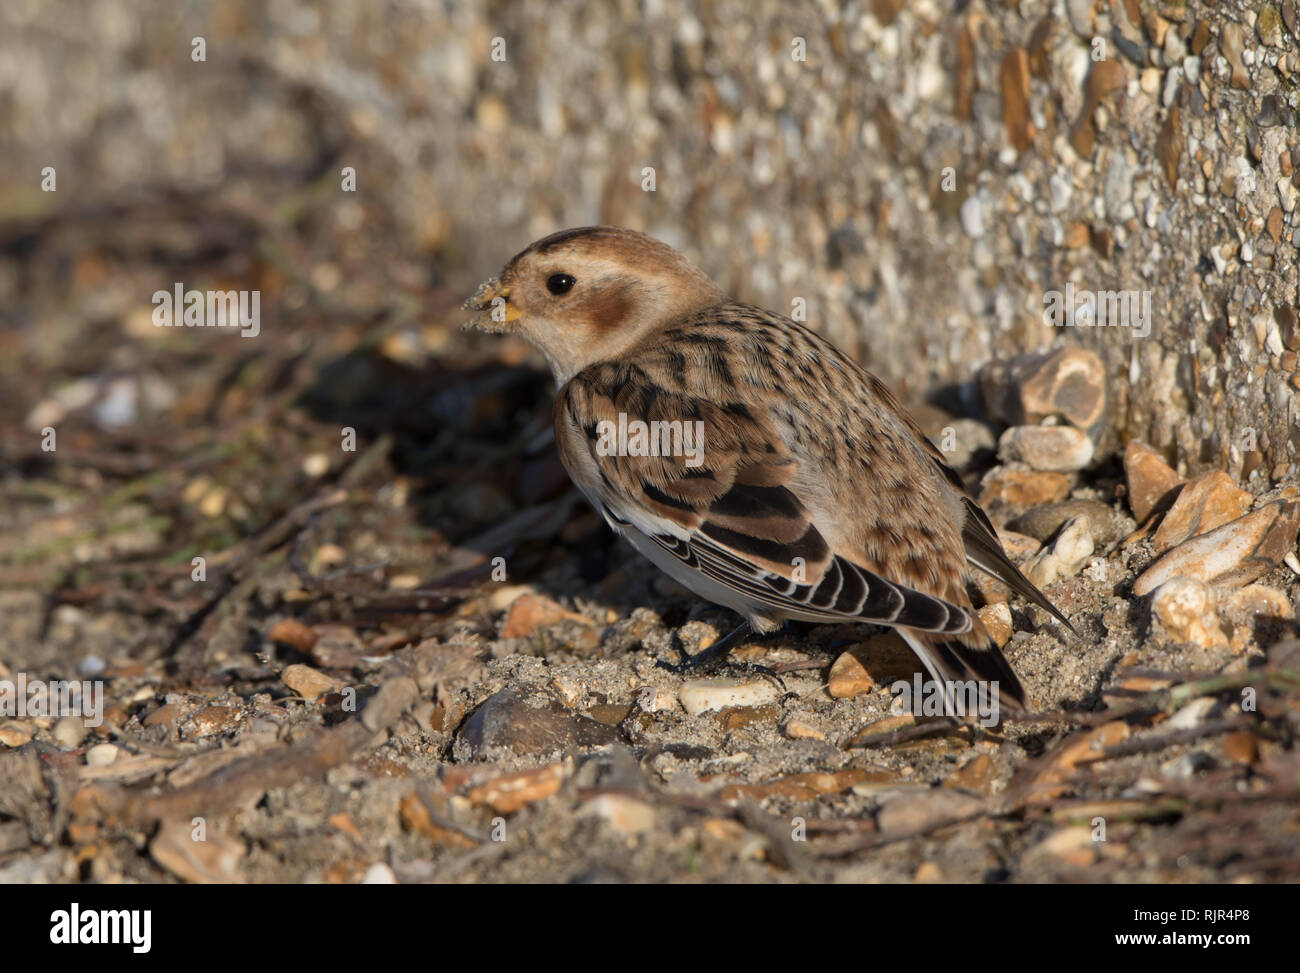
(508, 721)
(1150, 480)
(1259, 599)
(624, 814)
(701, 695)
(15, 734)
(1056, 449)
(1193, 714)
(212, 720)
(292, 632)
(796, 729)
(654, 700)
(69, 731)
(918, 812)
(1231, 46)
(1108, 526)
(849, 677)
(215, 860)
(1241, 747)
(1073, 846)
(379, 874)
(101, 755)
(1064, 556)
(309, 683)
(1186, 609)
(997, 619)
(530, 612)
(1232, 555)
(1025, 390)
(1188, 765)
(976, 775)
(972, 216)
(967, 444)
(1019, 489)
(1205, 502)
(511, 792)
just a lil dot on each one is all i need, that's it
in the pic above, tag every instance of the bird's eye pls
(560, 283)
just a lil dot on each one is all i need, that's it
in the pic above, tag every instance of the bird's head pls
(586, 295)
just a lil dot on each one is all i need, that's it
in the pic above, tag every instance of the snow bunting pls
(746, 456)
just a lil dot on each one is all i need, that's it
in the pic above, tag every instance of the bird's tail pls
(970, 669)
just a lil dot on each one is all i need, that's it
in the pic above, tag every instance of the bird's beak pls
(492, 307)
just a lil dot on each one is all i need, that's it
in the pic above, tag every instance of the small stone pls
(101, 755)
(1055, 449)
(214, 860)
(1020, 546)
(1188, 765)
(1255, 600)
(1193, 714)
(1019, 489)
(504, 596)
(654, 700)
(1064, 556)
(795, 729)
(1150, 480)
(15, 734)
(507, 794)
(1241, 747)
(568, 690)
(972, 216)
(1231, 46)
(1073, 846)
(849, 678)
(165, 715)
(1206, 502)
(997, 619)
(212, 720)
(738, 717)
(1186, 609)
(1025, 390)
(1232, 555)
(69, 732)
(701, 695)
(919, 812)
(975, 775)
(1041, 522)
(622, 813)
(379, 874)
(1169, 145)
(963, 442)
(316, 465)
(1269, 26)
(507, 721)
(294, 633)
(1015, 99)
(532, 611)
(928, 873)
(309, 683)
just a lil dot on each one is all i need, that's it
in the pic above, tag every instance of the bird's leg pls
(716, 652)
(715, 656)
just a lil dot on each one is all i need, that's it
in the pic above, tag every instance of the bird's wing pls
(732, 512)
(983, 549)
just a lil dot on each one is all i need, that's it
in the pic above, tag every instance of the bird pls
(748, 457)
